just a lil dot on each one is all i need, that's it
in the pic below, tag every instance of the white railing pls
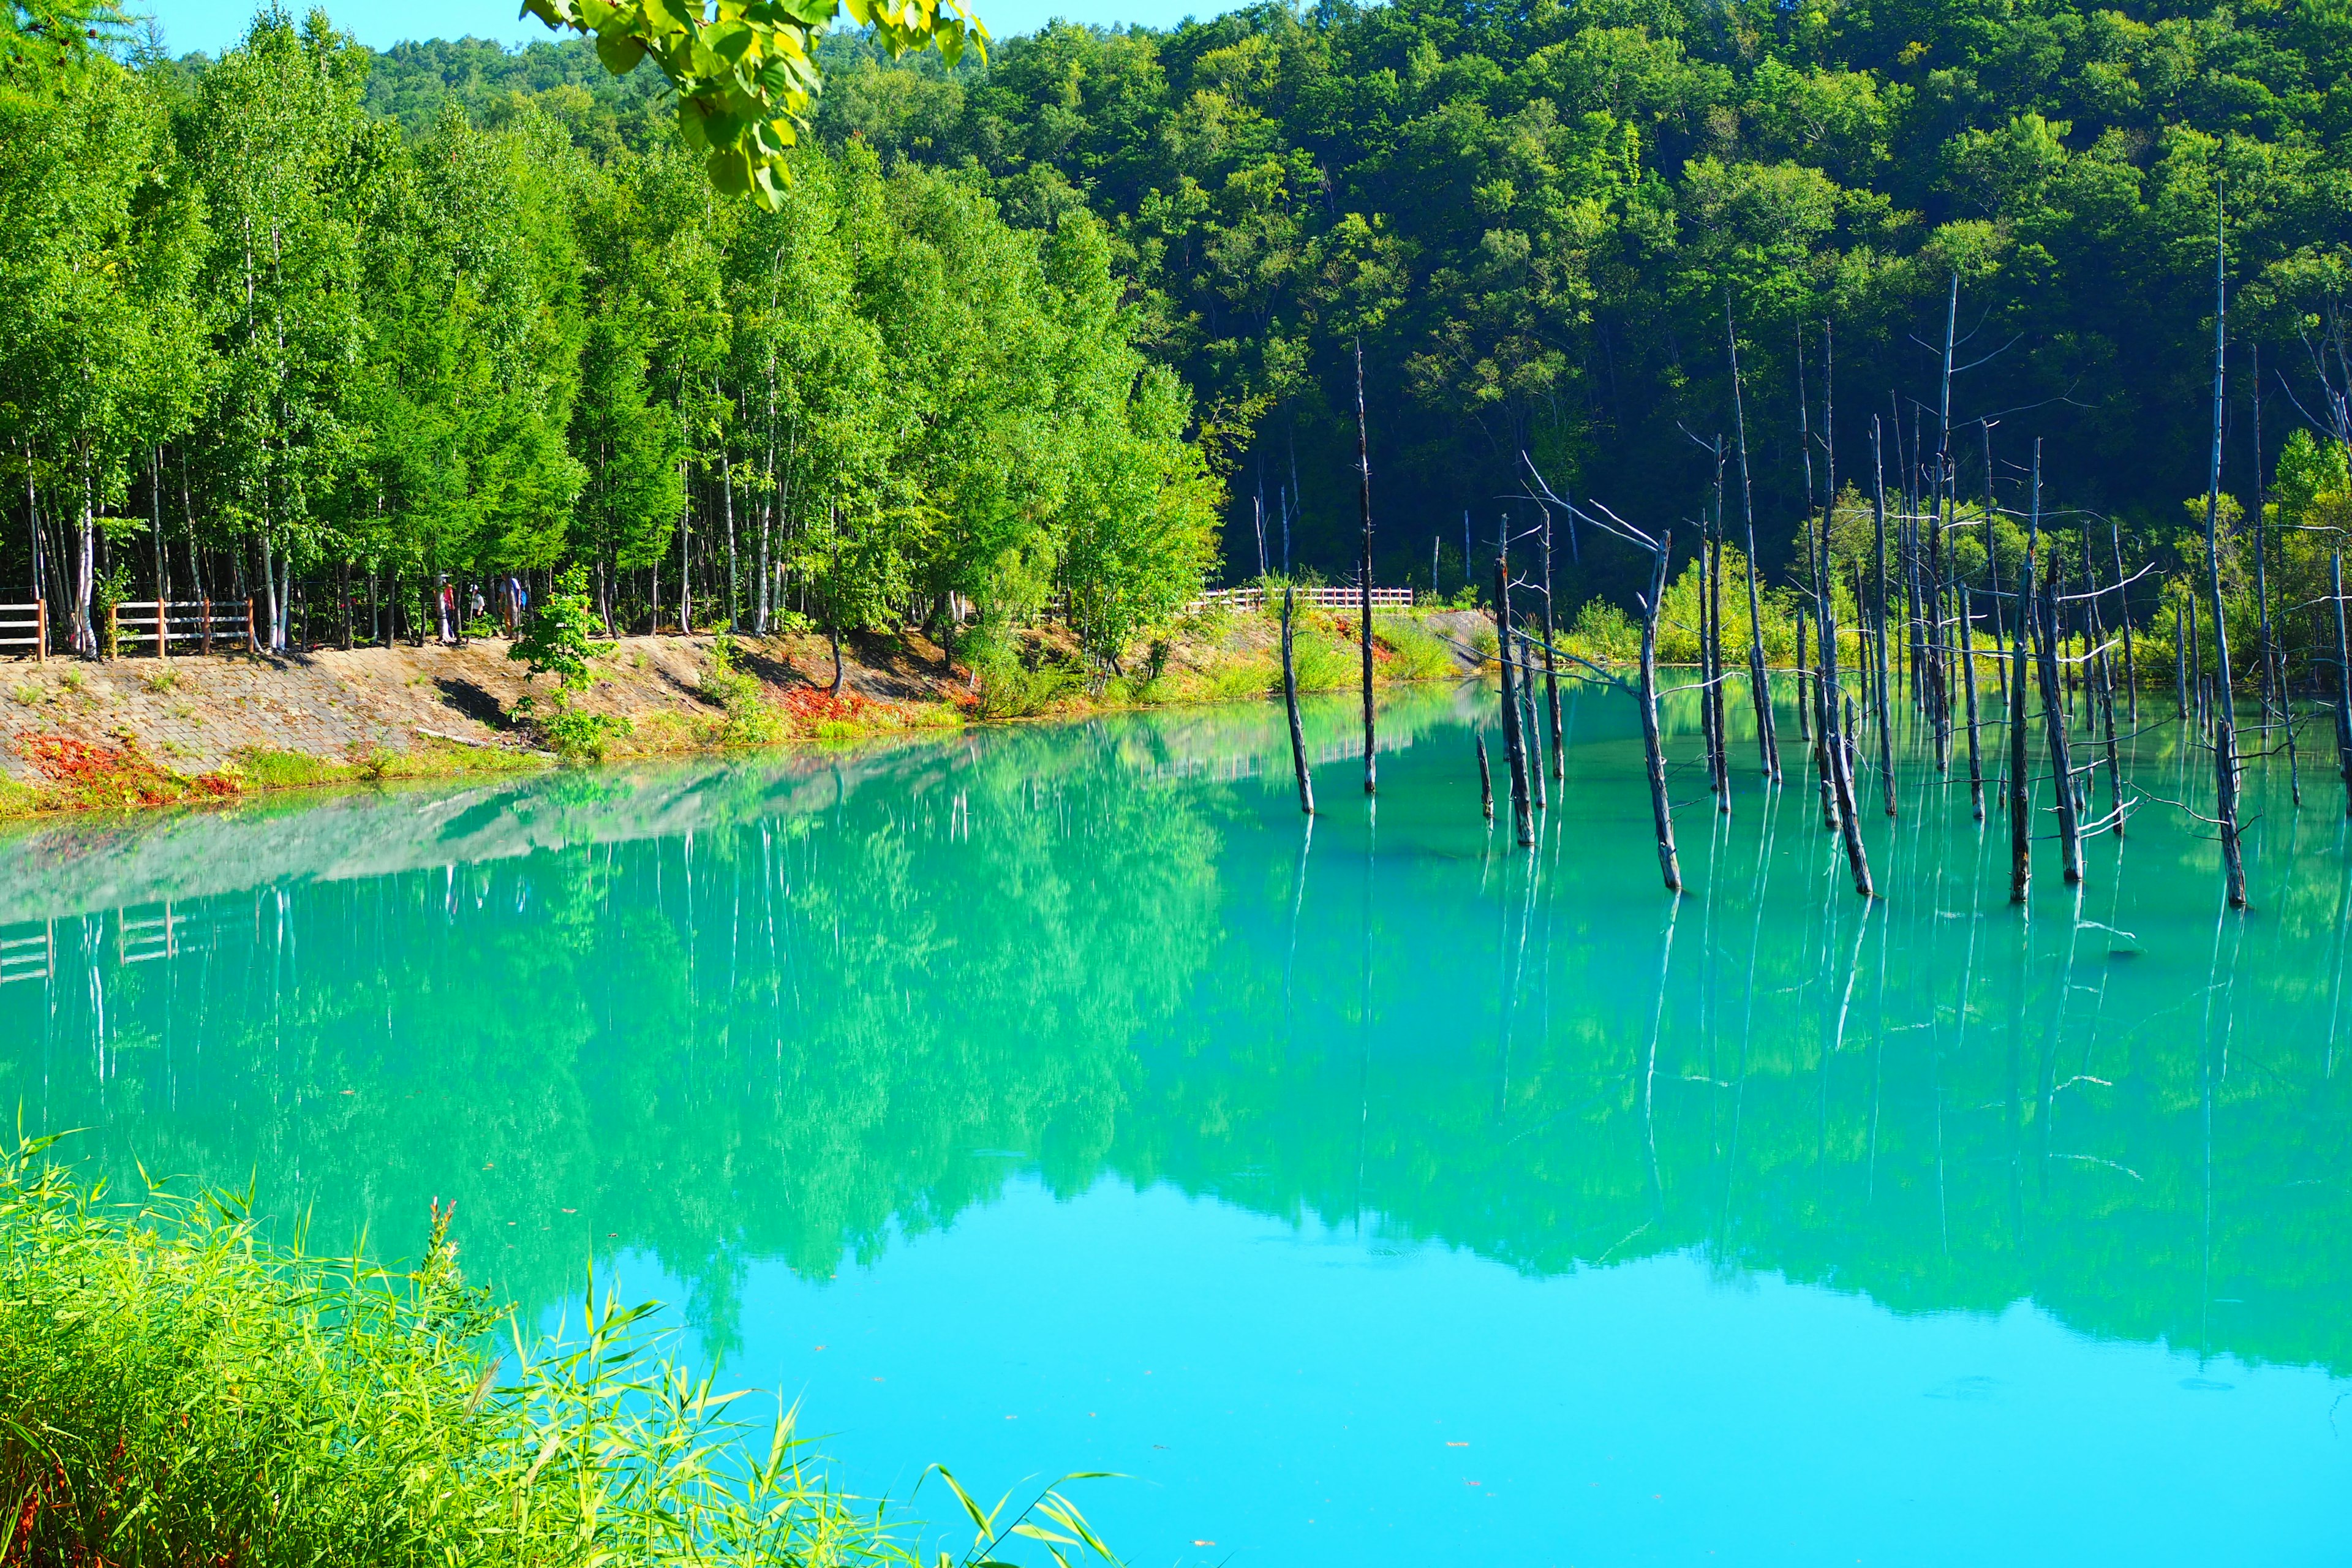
(1325, 597)
(25, 625)
(189, 625)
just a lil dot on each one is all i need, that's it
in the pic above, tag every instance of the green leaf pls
(619, 52)
(730, 171)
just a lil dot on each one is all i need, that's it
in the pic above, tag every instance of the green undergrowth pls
(175, 1389)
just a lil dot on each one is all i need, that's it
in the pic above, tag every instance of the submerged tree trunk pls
(1968, 683)
(1711, 594)
(2225, 725)
(2054, 724)
(2123, 614)
(2020, 783)
(1829, 734)
(2106, 696)
(1531, 730)
(1485, 774)
(1513, 753)
(2343, 679)
(1767, 744)
(1878, 528)
(2180, 660)
(1652, 746)
(1551, 640)
(1364, 566)
(1290, 702)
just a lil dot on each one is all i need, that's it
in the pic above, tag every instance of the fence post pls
(250, 646)
(163, 632)
(40, 631)
(206, 608)
(113, 630)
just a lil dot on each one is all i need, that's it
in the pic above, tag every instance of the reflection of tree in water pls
(761, 1012)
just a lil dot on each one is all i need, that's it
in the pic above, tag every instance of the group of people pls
(514, 599)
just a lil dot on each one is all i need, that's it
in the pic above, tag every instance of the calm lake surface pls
(1045, 1100)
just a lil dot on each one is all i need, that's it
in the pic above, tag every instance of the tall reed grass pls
(177, 1390)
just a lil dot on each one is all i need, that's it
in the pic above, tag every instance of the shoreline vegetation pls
(182, 1389)
(144, 733)
(111, 735)
(731, 693)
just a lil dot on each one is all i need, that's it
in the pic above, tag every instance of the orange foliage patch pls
(815, 705)
(93, 775)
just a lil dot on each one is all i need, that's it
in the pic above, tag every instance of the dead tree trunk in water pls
(1364, 474)
(1767, 744)
(2261, 573)
(1515, 756)
(2053, 725)
(1878, 525)
(2180, 660)
(2343, 676)
(2225, 727)
(1968, 683)
(1710, 589)
(2100, 674)
(1531, 730)
(1652, 745)
(1485, 775)
(2123, 614)
(1290, 701)
(2020, 783)
(1551, 665)
(2114, 760)
(2343, 679)
(1837, 757)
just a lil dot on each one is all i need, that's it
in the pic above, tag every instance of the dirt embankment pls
(149, 732)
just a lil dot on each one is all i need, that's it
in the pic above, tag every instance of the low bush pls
(750, 722)
(1010, 689)
(176, 1390)
(1415, 653)
(577, 736)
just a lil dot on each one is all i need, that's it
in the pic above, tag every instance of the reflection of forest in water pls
(790, 1006)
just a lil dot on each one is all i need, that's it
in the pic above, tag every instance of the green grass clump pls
(1321, 661)
(1413, 653)
(175, 1390)
(258, 768)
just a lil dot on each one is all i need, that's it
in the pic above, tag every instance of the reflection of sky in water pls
(1297, 1395)
(1032, 1075)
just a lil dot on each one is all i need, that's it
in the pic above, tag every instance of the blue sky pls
(214, 24)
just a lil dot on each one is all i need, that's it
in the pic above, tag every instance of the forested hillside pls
(1039, 324)
(1533, 212)
(258, 339)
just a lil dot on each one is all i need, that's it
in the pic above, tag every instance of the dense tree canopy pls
(298, 324)
(458, 309)
(1534, 212)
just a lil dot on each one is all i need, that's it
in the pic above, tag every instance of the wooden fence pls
(1326, 598)
(26, 626)
(185, 625)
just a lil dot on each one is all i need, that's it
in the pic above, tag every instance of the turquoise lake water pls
(1047, 1099)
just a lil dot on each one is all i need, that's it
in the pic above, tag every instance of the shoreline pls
(121, 735)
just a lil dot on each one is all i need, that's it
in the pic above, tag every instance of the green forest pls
(260, 336)
(1076, 324)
